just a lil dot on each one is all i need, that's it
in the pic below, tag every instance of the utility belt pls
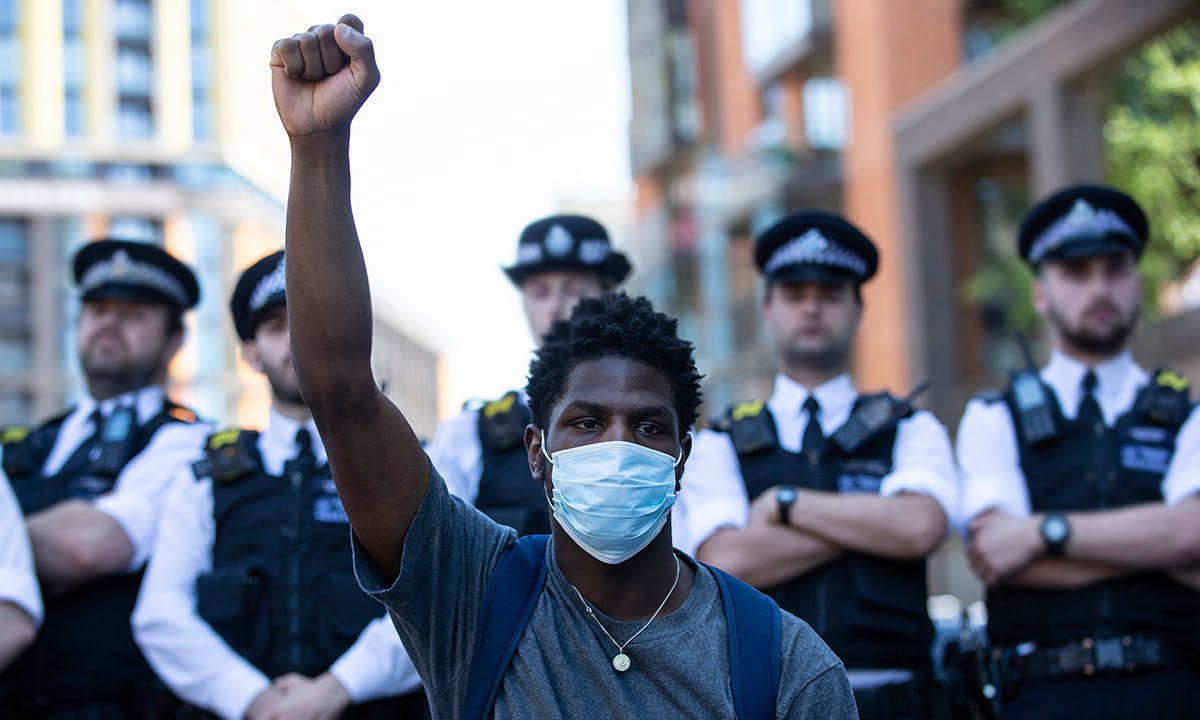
(909, 698)
(1103, 655)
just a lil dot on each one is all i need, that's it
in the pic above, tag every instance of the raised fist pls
(321, 78)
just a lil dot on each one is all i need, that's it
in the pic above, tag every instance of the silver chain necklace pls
(621, 661)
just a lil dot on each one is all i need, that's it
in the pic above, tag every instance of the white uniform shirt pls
(713, 493)
(987, 443)
(136, 497)
(18, 582)
(189, 656)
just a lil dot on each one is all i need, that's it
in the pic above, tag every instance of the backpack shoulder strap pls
(511, 593)
(753, 620)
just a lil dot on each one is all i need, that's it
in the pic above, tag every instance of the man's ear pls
(685, 449)
(533, 447)
(251, 356)
(1038, 295)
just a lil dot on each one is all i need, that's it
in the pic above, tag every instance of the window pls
(134, 120)
(825, 113)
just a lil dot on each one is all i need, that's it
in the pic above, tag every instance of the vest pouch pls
(889, 598)
(344, 611)
(228, 600)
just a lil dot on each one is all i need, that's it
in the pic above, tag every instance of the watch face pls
(786, 495)
(1055, 529)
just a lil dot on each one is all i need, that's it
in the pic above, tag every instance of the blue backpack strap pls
(511, 593)
(753, 620)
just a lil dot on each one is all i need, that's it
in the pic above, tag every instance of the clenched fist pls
(321, 78)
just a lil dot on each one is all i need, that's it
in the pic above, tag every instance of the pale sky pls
(488, 115)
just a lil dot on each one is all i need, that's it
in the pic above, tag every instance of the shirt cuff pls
(22, 590)
(983, 493)
(137, 518)
(924, 482)
(369, 578)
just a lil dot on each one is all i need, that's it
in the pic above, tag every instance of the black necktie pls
(301, 466)
(813, 439)
(1089, 410)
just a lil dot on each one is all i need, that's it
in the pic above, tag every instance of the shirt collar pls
(1066, 372)
(148, 401)
(834, 396)
(281, 433)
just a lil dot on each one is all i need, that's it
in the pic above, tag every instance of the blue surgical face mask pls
(612, 498)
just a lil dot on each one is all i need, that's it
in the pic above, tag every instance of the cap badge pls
(1083, 219)
(593, 251)
(119, 265)
(558, 241)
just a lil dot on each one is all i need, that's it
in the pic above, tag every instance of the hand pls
(1002, 544)
(266, 704)
(765, 508)
(321, 78)
(296, 697)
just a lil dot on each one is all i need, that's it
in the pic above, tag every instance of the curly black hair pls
(614, 325)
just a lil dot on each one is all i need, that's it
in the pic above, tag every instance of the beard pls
(1099, 341)
(831, 354)
(120, 371)
(284, 386)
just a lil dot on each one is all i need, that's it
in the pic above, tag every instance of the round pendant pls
(621, 662)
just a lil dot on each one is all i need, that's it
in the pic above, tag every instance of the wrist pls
(320, 142)
(785, 500)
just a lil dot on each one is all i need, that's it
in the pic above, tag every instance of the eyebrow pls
(595, 408)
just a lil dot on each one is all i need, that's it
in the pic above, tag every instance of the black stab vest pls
(1096, 468)
(871, 611)
(84, 651)
(281, 591)
(508, 493)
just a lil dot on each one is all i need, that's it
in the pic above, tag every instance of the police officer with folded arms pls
(826, 498)
(90, 484)
(481, 451)
(249, 607)
(1080, 485)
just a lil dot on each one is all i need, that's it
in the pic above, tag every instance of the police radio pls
(1033, 410)
(114, 445)
(872, 415)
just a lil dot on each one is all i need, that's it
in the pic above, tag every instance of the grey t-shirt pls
(563, 664)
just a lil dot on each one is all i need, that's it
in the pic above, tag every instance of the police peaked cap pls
(1081, 221)
(567, 242)
(138, 271)
(815, 246)
(263, 285)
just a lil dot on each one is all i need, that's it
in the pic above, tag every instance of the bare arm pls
(16, 633)
(73, 543)
(320, 79)
(906, 526)
(1061, 573)
(765, 555)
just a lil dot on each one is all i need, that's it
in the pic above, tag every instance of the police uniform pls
(481, 452)
(1097, 438)
(870, 610)
(118, 454)
(251, 577)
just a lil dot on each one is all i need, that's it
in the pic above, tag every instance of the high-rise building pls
(147, 120)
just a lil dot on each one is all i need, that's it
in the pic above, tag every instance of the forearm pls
(765, 555)
(901, 526)
(16, 633)
(1060, 573)
(1189, 576)
(328, 295)
(1148, 536)
(73, 543)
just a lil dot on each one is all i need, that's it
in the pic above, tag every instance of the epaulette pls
(1165, 399)
(11, 435)
(182, 414)
(989, 397)
(229, 455)
(26, 448)
(750, 427)
(502, 423)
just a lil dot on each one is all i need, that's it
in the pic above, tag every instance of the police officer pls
(1080, 484)
(827, 499)
(481, 451)
(90, 484)
(20, 599)
(250, 608)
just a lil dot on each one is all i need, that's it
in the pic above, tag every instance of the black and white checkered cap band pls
(120, 268)
(271, 284)
(815, 249)
(1083, 221)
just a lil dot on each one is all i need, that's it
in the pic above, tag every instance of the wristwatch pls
(1056, 531)
(785, 496)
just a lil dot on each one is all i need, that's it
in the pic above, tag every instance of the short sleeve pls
(457, 454)
(18, 581)
(1182, 480)
(989, 462)
(924, 463)
(712, 492)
